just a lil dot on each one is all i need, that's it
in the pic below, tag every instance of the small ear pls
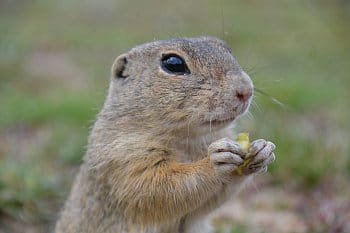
(118, 67)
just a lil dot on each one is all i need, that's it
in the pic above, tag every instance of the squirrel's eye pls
(174, 64)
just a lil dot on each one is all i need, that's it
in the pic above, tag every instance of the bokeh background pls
(55, 59)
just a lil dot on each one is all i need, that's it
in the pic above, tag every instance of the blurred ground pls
(55, 58)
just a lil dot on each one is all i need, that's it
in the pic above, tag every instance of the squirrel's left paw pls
(261, 152)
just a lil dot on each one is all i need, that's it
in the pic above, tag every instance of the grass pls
(296, 51)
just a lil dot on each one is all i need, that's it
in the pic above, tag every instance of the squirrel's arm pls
(225, 192)
(155, 188)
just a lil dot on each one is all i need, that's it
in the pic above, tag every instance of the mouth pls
(227, 118)
(221, 121)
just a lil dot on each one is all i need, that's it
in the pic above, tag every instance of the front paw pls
(260, 155)
(226, 156)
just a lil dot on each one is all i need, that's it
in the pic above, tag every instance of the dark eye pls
(174, 64)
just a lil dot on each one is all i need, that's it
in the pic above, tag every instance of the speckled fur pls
(147, 168)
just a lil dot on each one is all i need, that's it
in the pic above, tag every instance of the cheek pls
(199, 103)
(221, 100)
(205, 98)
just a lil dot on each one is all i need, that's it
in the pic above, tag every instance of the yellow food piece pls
(243, 140)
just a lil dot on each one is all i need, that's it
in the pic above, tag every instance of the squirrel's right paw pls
(226, 156)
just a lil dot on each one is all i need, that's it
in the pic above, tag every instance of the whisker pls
(188, 128)
(222, 20)
(276, 80)
(255, 68)
(273, 99)
(210, 127)
(255, 104)
(250, 115)
(188, 132)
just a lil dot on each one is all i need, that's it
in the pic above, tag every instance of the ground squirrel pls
(159, 157)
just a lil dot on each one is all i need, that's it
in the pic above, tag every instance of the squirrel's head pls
(179, 83)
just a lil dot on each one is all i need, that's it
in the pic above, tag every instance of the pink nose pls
(244, 95)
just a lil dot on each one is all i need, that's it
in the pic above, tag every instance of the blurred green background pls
(55, 59)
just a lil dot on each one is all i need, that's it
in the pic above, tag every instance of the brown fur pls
(147, 167)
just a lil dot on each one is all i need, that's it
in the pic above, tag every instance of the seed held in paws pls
(243, 140)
